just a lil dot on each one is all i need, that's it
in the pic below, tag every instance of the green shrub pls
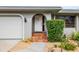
(76, 36)
(64, 38)
(62, 45)
(55, 29)
(68, 46)
(72, 36)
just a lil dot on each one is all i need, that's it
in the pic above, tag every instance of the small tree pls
(55, 29)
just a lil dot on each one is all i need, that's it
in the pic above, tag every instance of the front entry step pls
(39, 37)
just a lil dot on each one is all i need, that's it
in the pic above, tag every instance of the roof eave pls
(30, 8)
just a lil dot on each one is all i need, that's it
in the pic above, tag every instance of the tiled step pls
(39, 37)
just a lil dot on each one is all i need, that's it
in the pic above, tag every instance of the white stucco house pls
(19, 22)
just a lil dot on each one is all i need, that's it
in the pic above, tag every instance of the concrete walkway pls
(20, 45)
(38, 47)
(29, 47)
(35, 47)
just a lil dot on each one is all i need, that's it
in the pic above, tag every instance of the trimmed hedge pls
(55, 29)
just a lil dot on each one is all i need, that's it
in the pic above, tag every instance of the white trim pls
(15, 14)
(54, 17)
(30, 8)
(77, 22)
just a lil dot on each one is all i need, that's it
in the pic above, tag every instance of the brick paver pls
(39, 37)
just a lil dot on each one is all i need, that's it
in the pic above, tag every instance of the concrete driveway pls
(5, 45)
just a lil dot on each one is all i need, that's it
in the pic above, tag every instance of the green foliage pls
(76, 36)
(64, 38)
(72, 36)
(55, 29)
(68, 46)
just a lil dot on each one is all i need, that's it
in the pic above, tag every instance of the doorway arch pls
(38, 23)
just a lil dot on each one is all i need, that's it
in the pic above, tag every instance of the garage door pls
(11, 27)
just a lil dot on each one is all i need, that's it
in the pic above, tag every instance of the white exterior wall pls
(24, 29)
(69, 31)
(47, 15)
(28, 24)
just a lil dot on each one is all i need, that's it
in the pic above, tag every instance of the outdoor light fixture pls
(25, 20)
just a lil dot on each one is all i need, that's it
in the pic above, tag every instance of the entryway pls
(38, 23)
(38, 28)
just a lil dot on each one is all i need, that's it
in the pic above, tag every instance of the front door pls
(38, 23)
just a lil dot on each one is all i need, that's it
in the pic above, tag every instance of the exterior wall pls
(69, 31)
(27, 33)
(47, 15)
(28, 24)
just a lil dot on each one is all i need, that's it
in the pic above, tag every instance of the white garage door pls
(11, 27)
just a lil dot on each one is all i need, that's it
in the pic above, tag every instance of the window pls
(69, 20)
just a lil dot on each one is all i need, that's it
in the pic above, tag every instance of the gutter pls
(30, 8)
